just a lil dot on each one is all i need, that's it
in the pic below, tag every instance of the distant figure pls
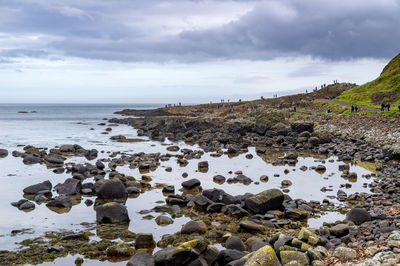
(306, 91)
(180, 104)
(383, 105)
(352, 108)
(356, 109)
(328, 111)
(398, 107)
(388, 106)
(240, 100)
(295, 109)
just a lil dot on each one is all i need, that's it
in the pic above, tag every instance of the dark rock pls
(110, 189)
(301, 126)
(111, 212)
(270, 199)
(339, 230)
(54, 159)
(61, 201)
(141, 259)
(3, 153)
(358, 216)
(193, 227)
(168, 189)
(228, 255)
(71, 186)
(30, 159)
(234, 242)
(35, 189)
(144, 241)
(26, 206)
(190, 184)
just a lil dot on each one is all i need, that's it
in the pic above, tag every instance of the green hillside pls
(386, 88)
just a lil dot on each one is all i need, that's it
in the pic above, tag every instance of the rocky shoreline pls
(266, 228)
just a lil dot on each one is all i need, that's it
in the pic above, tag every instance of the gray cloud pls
(118, 30)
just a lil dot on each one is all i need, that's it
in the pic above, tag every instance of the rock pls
(71, 186)
(173, 148)
(35, 189)
(251, 226)
(286, 183)
(110, 189)
(192, 227)
(234, 242)
(215, 207)
(296, 214)
(3, 153)
(308, 236)
(203, 165)
(67, 148)
(220, 196)
(264, 178)
(30, 159)
(112, 212)
(345, 253)
(339, 230)
(144, 241)
(219, 179)
(141, 259)
(54, 159)
(228, 255)
(26, 206)
(236, 210)
(133, 190)
(100, 165)
(320, 168)
(77, 236)
(358, 216)
(160, 256)
(264, 256)
(270, 199)
(168, 189)
(301, 126)
(291, 255)
(187, 252)
(190, 184)
(164, 220)
(61, 201)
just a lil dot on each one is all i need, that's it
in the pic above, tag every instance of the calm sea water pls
(54, 125)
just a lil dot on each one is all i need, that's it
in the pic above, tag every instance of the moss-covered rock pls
(290, 255)
(265, 256)
(186, 252)
(270, 199)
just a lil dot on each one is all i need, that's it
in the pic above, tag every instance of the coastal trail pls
(360, 106)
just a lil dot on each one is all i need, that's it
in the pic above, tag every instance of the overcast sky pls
(188, 50)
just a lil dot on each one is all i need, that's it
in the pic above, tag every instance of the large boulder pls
(61, 201)
(301, 126)
(110, 189)
(112, 212)
(187, 252)
(292, 255)
(218, 195)
(193, 227)
(265, 256)
(358, 216)
(270, 199)
(38, 188)
(71, 186)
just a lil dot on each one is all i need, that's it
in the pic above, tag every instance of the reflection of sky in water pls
(48, 133)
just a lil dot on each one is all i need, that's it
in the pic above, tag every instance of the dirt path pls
(359, 106)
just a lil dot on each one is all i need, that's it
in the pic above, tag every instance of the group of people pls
(354, 108)
(386, 106)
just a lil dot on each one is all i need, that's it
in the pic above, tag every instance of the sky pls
(189, 51)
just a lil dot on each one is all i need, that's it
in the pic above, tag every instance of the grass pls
(388, 81)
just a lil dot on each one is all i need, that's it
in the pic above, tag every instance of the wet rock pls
(141, 259)
(100, 165)
(263, 256)
(203, 165)
(67, 148)
(110, 189)
(89, 202)
(144, 241)
(215, 207)
(77, 236)
(59, 170)
(37, 188)
(345, 253)
(270, 199)
(133, 190)
(61, 201)
(291, 255)
(26, 206)
(160, 256)
(39, 198)
(219, 179)
(168, 189)
(194, 227)
(264, 178)
(190, 184)
(173, 148)
(112, 212)
(234, 242)
(358, 216)
(71, 186)
(243, 179)
(320, 168)
(219, 196)
(3, 153)
(164, 220)
(54, 159)
(286, 183)
(296, 214)
(30, 159)
(236, 211)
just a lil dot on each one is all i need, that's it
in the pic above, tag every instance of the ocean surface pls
(53, 125)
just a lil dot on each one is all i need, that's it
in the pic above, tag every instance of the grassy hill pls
(386, 88)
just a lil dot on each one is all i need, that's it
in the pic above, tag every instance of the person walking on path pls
(352, 108)
(388, 106)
